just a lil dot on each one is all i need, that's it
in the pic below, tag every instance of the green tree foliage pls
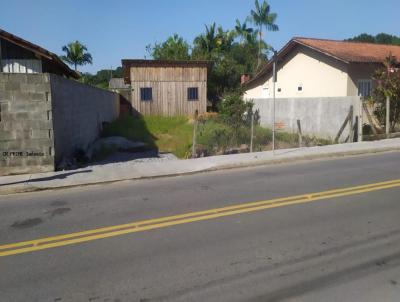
(232, 52)
(206, 44)
(232, 110)
(388, 79)
(262, 17)
(102, 77)
(245, 33)
(174, 48)
(76, 54)
(231, 58)
(381, 38)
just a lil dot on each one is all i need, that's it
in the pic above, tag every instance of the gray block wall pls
(26, 128)
(321, 117)
(78, 113)
(45, 117)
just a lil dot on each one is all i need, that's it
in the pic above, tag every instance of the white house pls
(321, 68)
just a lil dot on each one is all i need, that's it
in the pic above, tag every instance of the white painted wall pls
(321, 117)
(318, 75)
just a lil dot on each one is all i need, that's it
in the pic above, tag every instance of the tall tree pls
(365, 38)
(388, 79)
(102, 77)
(174, 48)
(212, 44)
(262, 17)
(243, 31)
(204, 44)
(225, 39)
(76, 54)
(381, 38)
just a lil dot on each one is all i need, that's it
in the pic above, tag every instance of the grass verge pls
(174, 134)
(167, 134)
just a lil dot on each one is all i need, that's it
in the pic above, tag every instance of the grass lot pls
(167, 134)
(174, 134)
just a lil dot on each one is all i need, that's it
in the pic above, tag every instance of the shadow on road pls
(58, 176)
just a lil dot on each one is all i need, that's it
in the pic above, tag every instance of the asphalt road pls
(336, 249)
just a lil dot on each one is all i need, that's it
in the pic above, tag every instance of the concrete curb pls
(26, 188)
(307, 158)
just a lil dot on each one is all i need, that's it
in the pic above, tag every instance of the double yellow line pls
(151, 224)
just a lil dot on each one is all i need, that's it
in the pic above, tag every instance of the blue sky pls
(118, 29)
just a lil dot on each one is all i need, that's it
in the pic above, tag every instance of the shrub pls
(214, 136)
(232, 110)
(262, 137)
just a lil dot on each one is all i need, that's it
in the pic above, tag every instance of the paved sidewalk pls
(125, 171)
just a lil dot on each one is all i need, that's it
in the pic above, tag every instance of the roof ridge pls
(166, 61)
(343, 41)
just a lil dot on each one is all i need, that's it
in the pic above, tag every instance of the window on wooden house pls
(146, 94)
(193, 93)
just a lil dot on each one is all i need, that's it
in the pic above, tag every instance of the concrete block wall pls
(78, 113)
(45, 117)
(321, 117)
(26, 128)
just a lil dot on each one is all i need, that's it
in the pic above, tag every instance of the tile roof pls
(347, 52)
(352, 51)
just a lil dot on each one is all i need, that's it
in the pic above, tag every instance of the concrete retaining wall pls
(45, 117)
(321, 117)
(78, 113)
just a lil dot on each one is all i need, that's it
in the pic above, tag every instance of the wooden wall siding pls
(21, 66)
(168, 74)
(169, 90)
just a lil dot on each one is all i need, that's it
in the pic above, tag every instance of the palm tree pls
(262, 17)
(208, 41)
(224, 38)
(244, 32)
(76, 54)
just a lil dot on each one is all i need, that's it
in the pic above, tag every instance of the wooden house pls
(167, 88)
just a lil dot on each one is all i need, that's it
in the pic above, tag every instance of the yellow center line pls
(162, 222)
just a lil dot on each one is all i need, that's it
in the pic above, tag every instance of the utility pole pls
(387, 116)
(273, 97)
(360, 121)
(194, 134)
(389, 70)
(252, 130)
